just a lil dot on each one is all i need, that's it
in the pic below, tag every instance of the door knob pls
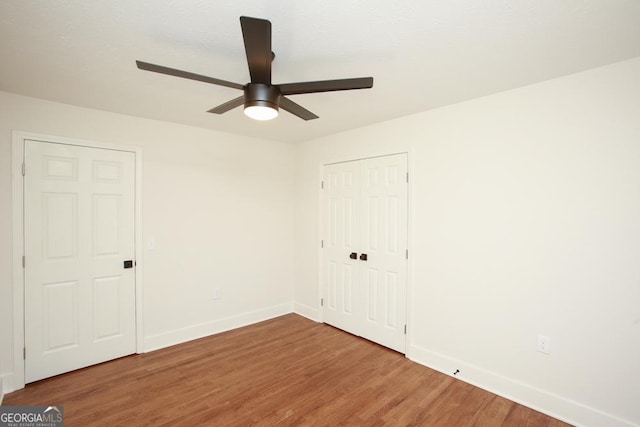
(363, 257)
(353, 255)
(128, 264)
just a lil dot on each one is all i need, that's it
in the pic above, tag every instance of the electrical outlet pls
(217, 293)
(544, 344)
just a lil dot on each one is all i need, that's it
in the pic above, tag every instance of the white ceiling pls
(422, 53)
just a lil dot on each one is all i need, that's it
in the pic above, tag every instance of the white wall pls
(525, 220)
(219, 207)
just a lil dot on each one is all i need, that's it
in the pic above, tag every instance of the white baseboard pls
(6, 385)
(564, 409)
(307, 311)
(178, 336)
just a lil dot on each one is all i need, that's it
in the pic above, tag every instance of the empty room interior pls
(321, 213)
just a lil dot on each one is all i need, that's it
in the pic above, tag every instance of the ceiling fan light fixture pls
(261, 101)
(261, 112)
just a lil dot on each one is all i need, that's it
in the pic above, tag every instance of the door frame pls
(320, 289)
(18, 146)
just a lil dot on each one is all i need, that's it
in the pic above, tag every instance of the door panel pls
(79, 228)
(106, 221)
(106, 307)
(60, 225)
(366, 213)
(341, 276)
(384, 240)
(60, 320)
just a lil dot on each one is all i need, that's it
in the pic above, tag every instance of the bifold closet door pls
(365, 248)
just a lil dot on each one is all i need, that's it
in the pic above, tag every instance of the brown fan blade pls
(326, 86)
(295, 109)
(257, 44)
(229, 105)
(186, 75)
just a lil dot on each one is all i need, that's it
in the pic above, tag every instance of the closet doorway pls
(365, 249)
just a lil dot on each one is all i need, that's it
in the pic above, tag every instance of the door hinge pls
(321, 302)
(23, 167)
(405, 329)
(407, 177)
(24, 353)
(322, 243)
(406, 253)
(24, 261)
(322, 185)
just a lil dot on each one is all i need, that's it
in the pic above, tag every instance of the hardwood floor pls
(287, 371)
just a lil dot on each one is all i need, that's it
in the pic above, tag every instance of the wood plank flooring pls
(287, 371)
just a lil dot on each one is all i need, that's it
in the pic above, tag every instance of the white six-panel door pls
(365, 213)
(79, 230)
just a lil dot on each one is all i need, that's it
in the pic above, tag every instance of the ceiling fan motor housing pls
(261, 95)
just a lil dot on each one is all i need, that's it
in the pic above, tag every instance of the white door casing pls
(79, 228)
(365, 212)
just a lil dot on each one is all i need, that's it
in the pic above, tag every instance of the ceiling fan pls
(261, 98)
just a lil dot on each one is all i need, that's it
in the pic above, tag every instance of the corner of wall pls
(307, 311)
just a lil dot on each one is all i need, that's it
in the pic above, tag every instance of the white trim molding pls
(193, 332)
(16, 380)
(307, 311)
(532, 397)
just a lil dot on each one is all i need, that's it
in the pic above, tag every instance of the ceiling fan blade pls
(257, 44)
(229, 105)
(296, 109)
(326, 86)
(186, 75)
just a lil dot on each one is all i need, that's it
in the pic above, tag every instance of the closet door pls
(383, 239)
(364, 255)
(343, 306)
